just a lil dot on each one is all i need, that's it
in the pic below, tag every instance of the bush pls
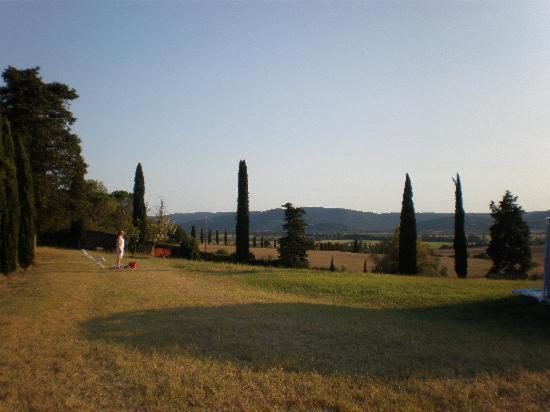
(189, 248)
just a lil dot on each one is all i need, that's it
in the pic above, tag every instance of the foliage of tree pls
(178, 234)
(202, 235)
(407, 232)
(161, 226)
(294, 245)
(27, 216)
(193, 232)
(225, 237)
(217, 237)
(242, 227)
(510, 235)
(209, 236)
(365, 266)
(262, 243)
(139, 215)
(189, 248)
(460, 244)
(356, 247)
(254, 241)
(39, 113)
(332, 268)
(9, 213)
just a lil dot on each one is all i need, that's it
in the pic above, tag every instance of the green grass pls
(177, 335)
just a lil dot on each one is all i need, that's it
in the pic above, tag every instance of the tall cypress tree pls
(460, 244)
(193, 232)
(217, 237)
(209, 236)
(241, 229)
(26, 203)
(407, 232)
(139, 215)
(9, 230)
(225, 237)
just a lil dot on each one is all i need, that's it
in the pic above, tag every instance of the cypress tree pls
(225, 237)
(254, 243)
(241, 229)
(139, 215)
(217, 237)
(407, 232)
(459, 243)
(365, 266)
(332, 268)
(193, 232)
(262, 243)
(9, 229)
(202, 235)
(209, 236)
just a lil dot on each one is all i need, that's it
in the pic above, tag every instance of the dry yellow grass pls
(176, 335)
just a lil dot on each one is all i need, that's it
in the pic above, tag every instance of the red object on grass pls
(161, 252)
(132, 265)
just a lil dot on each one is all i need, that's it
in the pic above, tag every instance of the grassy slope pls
(177, 334)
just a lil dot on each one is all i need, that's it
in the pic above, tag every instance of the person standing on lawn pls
(119, 248)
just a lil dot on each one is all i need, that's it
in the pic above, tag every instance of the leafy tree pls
(332, 268)
(242, 229)
(161, 226)
(39, 113)
(459, 244)
(193, 232)
(294, 245)
(122, 218)
(407, 232)
(27, 217)
(509, 244)
(178, 234)
(189, 247)
(139, 215)
(225, 237)
(356, 247)
(9, 212)
(217, 237)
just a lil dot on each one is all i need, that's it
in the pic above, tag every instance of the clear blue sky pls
(330, 103)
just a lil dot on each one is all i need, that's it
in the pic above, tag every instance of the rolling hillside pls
(335, 220)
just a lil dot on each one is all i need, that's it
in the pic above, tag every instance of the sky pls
(330, 103)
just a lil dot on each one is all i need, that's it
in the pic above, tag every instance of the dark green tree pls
(510, 235)
(189, 247)
(294, 245)
(254, 242)
(178, 234)
(217, 237)
(241, 228)
(332, 268)
(193, 232)
(365, 266)
(225, 237)
(9, 219)
(202, 235)
(262, 243)
(460, 244)
(356, 247)
(39, 113)
(209, 236)
(27, 217)
(407, 232)
(139, 215)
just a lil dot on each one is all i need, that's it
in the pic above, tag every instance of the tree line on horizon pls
(43, 191)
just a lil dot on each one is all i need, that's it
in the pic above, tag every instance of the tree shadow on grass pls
(447, 341)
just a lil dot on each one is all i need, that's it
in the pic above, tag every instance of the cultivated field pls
(353, 262)
(177, 335)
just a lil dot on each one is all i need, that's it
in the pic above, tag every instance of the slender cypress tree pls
(202, 235)
(193, 232)
(332, 268)
(139, 215)
(254, 242)
(241, 229)
(365, 266)
(209, 236)
(459, 243)
(217, 237)
(26, 202)
(9, 230)
(225, 237)
(407, 232)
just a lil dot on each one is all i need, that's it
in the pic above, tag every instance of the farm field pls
(353, 262)
(176, 335)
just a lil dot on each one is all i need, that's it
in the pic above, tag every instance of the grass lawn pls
(176, 335)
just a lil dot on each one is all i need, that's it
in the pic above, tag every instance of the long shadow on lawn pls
(461, 340)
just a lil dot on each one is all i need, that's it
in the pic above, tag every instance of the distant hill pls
(336, 220)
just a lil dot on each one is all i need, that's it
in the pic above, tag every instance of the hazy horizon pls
(330, 103)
